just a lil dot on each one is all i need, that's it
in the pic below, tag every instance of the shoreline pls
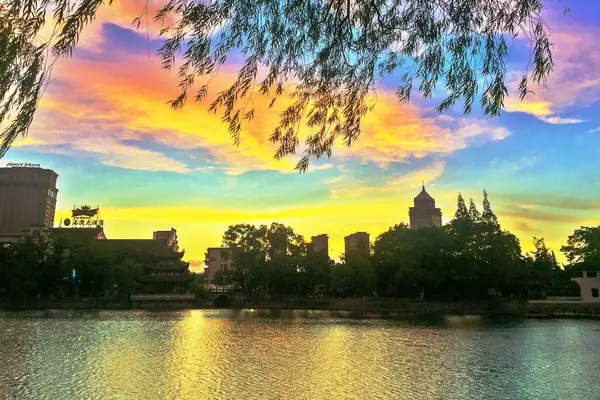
(382, 308)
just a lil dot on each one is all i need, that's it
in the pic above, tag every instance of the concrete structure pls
(216, 259)
(168, 236)
(424, 214)
(320, 243)
(27, 198)
(589, 285)
(357, 243)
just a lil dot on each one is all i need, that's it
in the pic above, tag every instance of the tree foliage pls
(267, 259)
(462, 260)
(37, 268)
(327, 56)
(583, 246)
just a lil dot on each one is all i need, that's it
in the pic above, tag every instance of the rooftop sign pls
(23, 165)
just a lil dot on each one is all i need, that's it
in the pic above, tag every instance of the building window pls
(595, 292)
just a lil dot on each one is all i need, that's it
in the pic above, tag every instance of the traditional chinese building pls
(163, 270)
(168, 236)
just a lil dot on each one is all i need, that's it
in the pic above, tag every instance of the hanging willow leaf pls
(334, 51)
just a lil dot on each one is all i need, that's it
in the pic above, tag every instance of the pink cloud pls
(575, 80)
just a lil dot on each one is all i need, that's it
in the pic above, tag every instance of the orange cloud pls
(117, 100)
(395, 132)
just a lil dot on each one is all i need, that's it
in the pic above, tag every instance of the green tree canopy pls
(543, 257)
(461, 209)
(583, 246)
(474, 214)
(269, 258)
(488, 215)
(328, 56)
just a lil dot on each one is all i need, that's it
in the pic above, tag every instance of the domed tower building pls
(424, 214)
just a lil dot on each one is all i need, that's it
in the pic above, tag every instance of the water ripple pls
(295, 355)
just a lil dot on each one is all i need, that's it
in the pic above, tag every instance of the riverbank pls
(533, 309)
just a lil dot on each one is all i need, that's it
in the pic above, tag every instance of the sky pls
(105, 127)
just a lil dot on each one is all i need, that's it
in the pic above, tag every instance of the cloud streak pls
(345, 187)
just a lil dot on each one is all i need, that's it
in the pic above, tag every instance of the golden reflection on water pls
(253, 354)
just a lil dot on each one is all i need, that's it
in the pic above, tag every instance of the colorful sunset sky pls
(105, 127)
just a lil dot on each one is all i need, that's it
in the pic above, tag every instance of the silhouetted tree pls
(387, 253)
(461, 209)
(336, 51)
(44, 268)
(267, 259)
(315, 272)
(542, 274)
(354, 276)
(583, 247)
(474, 214)
(285, 251)
(488, 216)
(248, 247)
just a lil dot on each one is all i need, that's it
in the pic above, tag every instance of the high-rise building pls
(357, 243)
(320, 243)
(424, 214)
(216, 259)
(27, 198)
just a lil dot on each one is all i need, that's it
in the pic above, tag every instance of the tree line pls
(62, 269)
(470, 257)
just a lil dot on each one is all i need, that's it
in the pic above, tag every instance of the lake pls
(221, 354)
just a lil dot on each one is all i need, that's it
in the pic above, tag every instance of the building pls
(163, 270)
(589, 286)
(27, 198)
(168, 236)
(424, 214)
(216, 259)
(320, 243)
(78, 235)
(357, 243)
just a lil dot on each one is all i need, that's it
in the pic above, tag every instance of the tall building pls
(27, 198)
(424, 214)
(357, 243)
(320, 243)
(216, 259)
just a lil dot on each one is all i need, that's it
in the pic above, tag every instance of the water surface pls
(292, 355)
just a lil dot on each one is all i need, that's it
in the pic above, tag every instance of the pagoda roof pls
(155, 247)
(79, 234)
(182, 266)
(423, 195)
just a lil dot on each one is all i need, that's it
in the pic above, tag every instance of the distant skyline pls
(105, 128)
